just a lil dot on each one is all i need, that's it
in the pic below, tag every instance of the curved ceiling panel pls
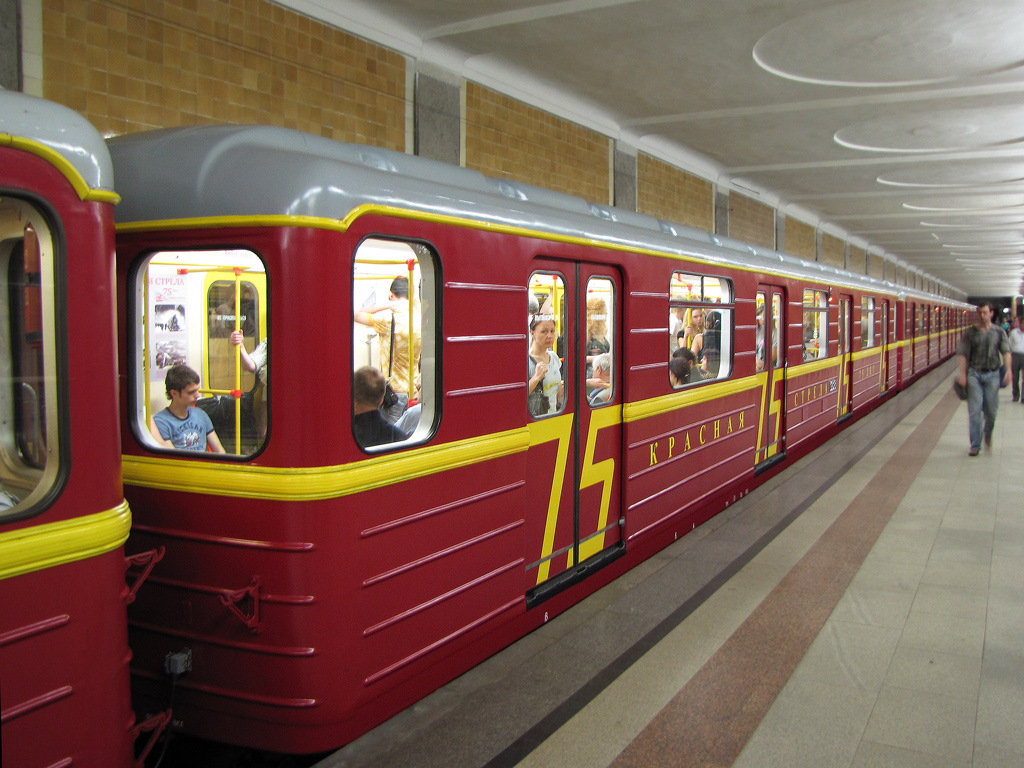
(878, 43)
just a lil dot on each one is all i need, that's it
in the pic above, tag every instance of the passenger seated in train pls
(545, 388)
(394, 326)
(678, 370)
(602, 374)
(683, 368)
(181, 425)
(811, 348)
(368, 423)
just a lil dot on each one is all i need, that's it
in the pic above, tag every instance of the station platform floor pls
(863, 608)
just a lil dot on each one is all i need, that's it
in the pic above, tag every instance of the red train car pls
(64, 693)
(325, 571)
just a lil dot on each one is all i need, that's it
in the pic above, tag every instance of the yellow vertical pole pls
(412, 363)
(238, 362)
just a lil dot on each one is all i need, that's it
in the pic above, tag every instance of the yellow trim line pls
(312, 483)
(58, 161)
(52, 544)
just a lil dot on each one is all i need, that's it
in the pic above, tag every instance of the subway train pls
(317, 580)
(322, 576)
(64, 683)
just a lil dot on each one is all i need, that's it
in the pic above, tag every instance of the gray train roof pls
(231, 170)
(62, 130)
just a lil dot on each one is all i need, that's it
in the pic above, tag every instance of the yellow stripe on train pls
(312, 483)
(52, 544)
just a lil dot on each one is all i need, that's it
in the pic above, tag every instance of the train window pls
(700, 320)
(203, 326)
(600, 332)
(815, 334)
(867, 322)
(394, 356)
(546, 346)
(766, 342)
(777, 352)
(28, 361)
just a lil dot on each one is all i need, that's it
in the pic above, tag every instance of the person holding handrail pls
(398, 330)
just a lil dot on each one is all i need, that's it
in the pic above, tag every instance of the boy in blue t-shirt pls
(181, 424)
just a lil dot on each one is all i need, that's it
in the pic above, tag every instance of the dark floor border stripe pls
(515, 752)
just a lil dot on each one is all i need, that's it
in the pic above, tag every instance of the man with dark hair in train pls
(368, 423)
(181, 425)
(691, 371)
(982, 349)
(393, 322)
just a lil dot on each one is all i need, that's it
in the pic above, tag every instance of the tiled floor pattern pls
(922, 661)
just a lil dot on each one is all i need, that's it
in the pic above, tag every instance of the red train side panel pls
(63, 638)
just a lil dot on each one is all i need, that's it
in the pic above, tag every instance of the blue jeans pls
(1017, 370)
(982, 398)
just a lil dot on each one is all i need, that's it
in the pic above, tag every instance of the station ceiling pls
(895, 124)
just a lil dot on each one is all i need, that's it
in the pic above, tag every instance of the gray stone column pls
(438, 116)
(624, 169)
(10, 45)
(721, 212)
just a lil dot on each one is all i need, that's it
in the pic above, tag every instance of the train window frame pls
(600, 393)
(693, 291)
(552, 307)
(815, 324)
(37, 486)
(420, 420)
(868, 317)
(193, 271)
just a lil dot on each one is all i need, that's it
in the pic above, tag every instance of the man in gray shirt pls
(982, 349)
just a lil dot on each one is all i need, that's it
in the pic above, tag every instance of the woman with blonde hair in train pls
(597, 336)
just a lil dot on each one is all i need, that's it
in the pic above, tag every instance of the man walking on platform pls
(1016, 336)
(982, 349)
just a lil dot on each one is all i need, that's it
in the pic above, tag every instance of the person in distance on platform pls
(982, 349)
(1016, 338)
(182, 425)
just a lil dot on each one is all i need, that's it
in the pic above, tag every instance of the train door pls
(845, 403)
(770, 310)
(575, 423)
(884, 373)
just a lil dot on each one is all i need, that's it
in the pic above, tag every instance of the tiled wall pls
(137, 64)
(857, 260)
(751, 221)
(800, 240)
(670, 194)
(833, 251)
(140, 64)
(507, 138)
(876, 266)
